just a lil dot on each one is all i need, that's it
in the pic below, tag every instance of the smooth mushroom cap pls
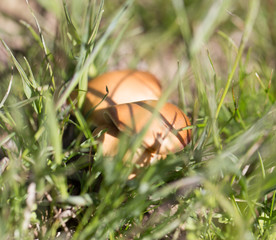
(165, 133)
(123, 86)
(108, 138)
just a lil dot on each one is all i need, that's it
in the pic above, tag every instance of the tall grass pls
(54, 181)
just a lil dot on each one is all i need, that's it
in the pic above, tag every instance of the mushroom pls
(124, 86)
(124, 102)
(166, 134)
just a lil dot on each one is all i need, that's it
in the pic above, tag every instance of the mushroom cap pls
(110, 145)
(123, 86)
(108, 138)
(165, 133)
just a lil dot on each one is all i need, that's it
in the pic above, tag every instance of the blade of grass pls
(82, 123)
(53, 129)
(46, 51)
(7, 92)
(7, 119)
(181, 184)
(207, 26)
(262, 165)
(86, 48)
(33, 32)
(53, 134)
(182, 20)
(72, 29)
(32, 79)
(96, 24)
(27, 85)
(272, 206)
(181, 93)
(83, 84)
(252, 14)
(229, 40)
(87, 44)
(6, 139)
(4, 162)
(23, 103)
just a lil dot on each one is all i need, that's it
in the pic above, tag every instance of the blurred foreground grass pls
(216, 60)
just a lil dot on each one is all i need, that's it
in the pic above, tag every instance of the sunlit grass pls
(54, 180)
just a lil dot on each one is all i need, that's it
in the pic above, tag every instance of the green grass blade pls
(97, 23)
(7, 93)
(45, 49)
(83, 83)
(72, 29)
(182, 20)
(231, 42)
(52, 128)
(214, 16)
(6, 139)
(252, 14)
(27, 86)
(33, 32)
(32, 79)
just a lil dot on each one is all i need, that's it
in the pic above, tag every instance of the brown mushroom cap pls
(109, 138)
(124, 86)
(164, 135)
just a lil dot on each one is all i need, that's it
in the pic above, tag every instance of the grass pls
(219, 56)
